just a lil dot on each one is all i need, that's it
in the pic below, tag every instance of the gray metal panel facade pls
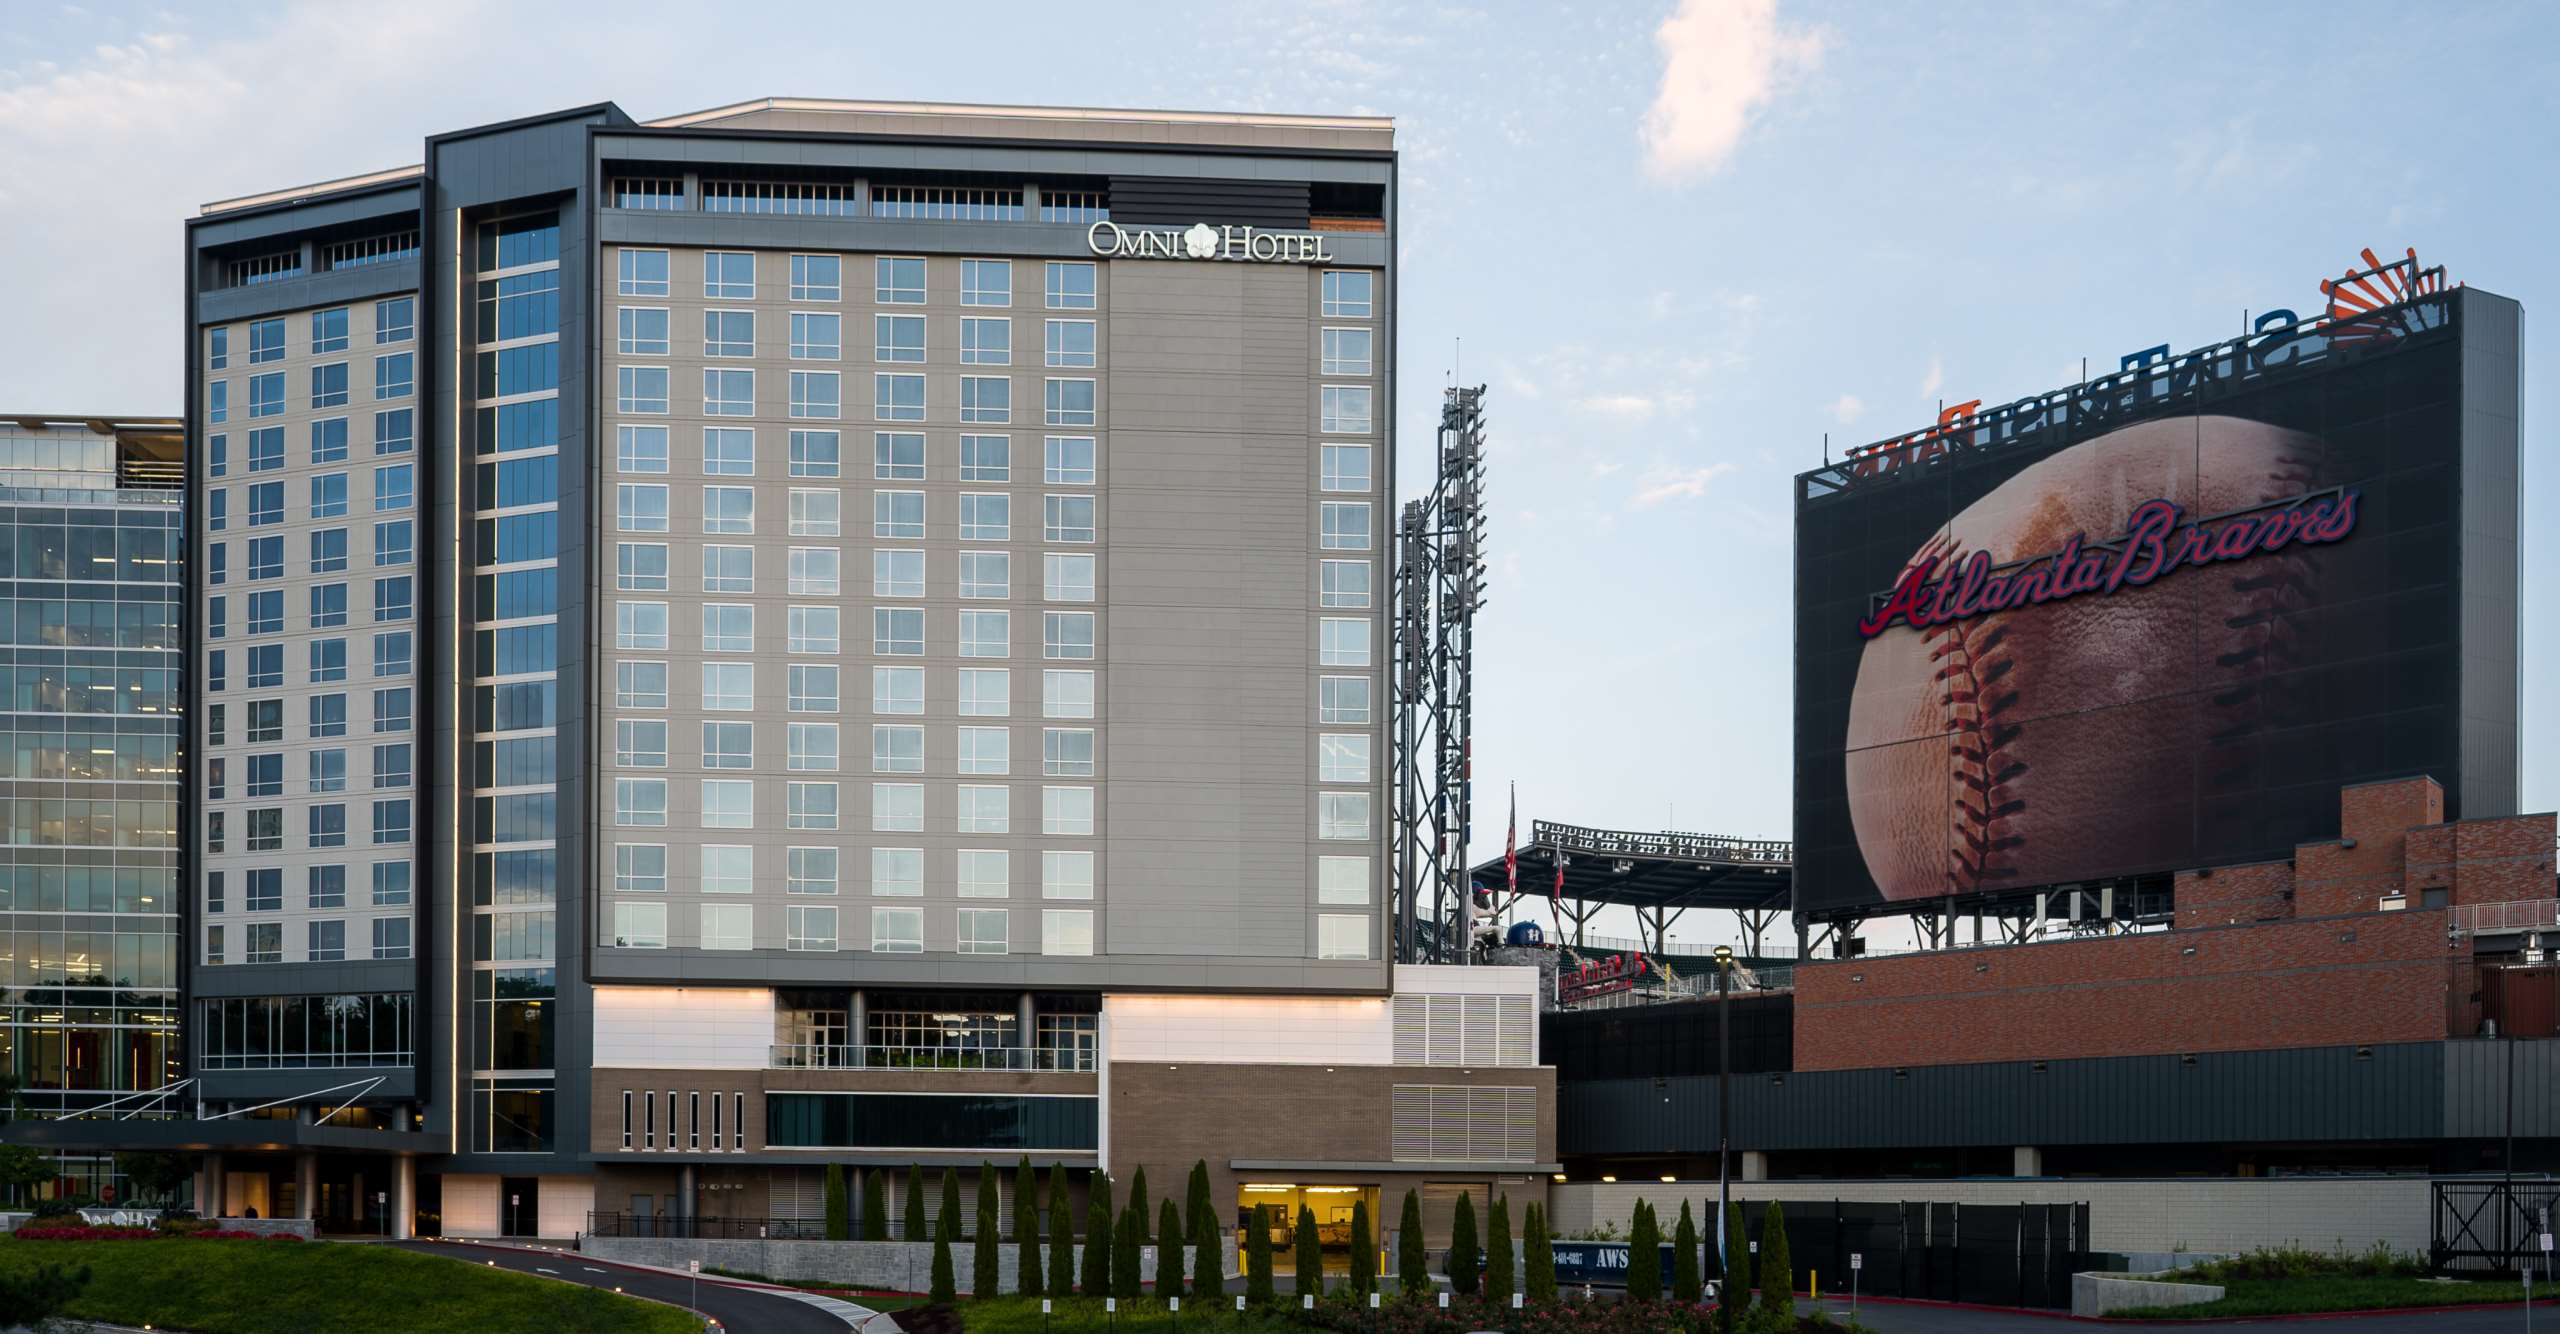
(2492, 427)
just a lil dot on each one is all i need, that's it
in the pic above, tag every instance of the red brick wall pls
(2235, 895)
(2503, 860)
(2277, 984)
(2375, 818)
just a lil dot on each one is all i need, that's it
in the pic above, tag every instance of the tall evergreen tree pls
(1098, 1223)
(1168, 1250)
(1644, 1256)
(1737, 1266)
(911, 1226)
(943, 1281)
(1062, 1236)
(946, 1221)
(1777, 1266)
(1498, 1274)
(1364, 1252)
(1540, 1254)
(1128, 1254)
(1413, 1267)
(1138, 1194)
(1684, 1260)
(875, 1204)
(1026, 1230)
(984, 1268)
(839, 1209)
(1464, 1258)
(1310, 1254)
(1257, 1252)
(1208, 1258)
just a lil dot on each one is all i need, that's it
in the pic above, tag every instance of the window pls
(813, 630)
(1066, 810)
(729, 687)
(1346, 352)
(328, 611)
(1069, 285)
(897, 281)
(1342, 880)
(266, 617)
(1346, 294)
(729, 274)
(392, 598)
(395, 376)
(1069, 402)
(641, 272)
(266, 558)
(1066, 931)
(1346, 467)
(329, 330)
(897, 872)
(266, 891)
(1342, 936)
(1068, 343)
(897, 338)
(392, 542)
(391, 821)
(266, 943)
(266, 341)
(986, 282)
(897, 456)
(640, 507)
(394, 431)
(329, 385)
(728, 745)
(328, 826)
(643, 331)
(640, 926)
(812, 748)
(728, 333)
(1343, 642)
(816, 335)
(1345, 583)
(219, 455)
(810, 871)
(1066, 875)
(728, 451)
(813, 688)
(986, 634)
(1067, 518)
(329, 440)
(984, 750)
(640, 868)
(266, 775)
(1345, 409)
(897, 574)
(1066, 693)
(897, 807)
(985, 692)
(1068, 460)
(897, 690)
(727, 926)
(729, 570)
(395, 320)
(810, 806)
(728, 627)
(813, 571)
(266, 717)
(218, 348)
(728, 510)
(984, 810)
(820, 454)
(641, 449)
(897, 930)
(391, 765)
(1066, 752)
(1345, 525)
(394, 487)
(983, 874)
(817, 394)
(986, 341)
(728, 869)
(1342, 700)
(266, 451)
(1342, 757)
(984, 516)
(986, 574)
(808, 927)
(728, 393)
(391, 653)
(640, 685)
(897, 398)
(643, 389)
(728, 803)
(390, 884)
(1342, 815)
(897, 632)
(982, 930)
(817, 278)
(897, 750)
(391, 710)
(640, 625)
(1066, 578)
(217, 404)
(1067, 635)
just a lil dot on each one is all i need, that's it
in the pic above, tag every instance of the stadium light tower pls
(1724, 1114)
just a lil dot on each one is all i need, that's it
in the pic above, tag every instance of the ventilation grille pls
(1450, 1123)
(1180, 201)
(1434, 1029)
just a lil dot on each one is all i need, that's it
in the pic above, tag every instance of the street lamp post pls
(1724, 1120)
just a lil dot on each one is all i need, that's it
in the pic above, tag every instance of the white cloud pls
(1847, 408)
(1935, 380)
(1660, 305)
(1605, 467)
(1722, 60)
(1667, 484)
(1624, 407)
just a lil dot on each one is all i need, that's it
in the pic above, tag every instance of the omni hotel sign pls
(1202, 241)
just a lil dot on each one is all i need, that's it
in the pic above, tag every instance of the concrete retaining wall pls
(2207, 1216)
(893, 1265)
(2106, 1294)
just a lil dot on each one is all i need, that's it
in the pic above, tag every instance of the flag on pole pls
(1511, 850)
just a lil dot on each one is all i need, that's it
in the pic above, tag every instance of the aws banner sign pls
(1202, 241)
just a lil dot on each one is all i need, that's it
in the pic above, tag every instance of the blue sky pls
(1680, 247)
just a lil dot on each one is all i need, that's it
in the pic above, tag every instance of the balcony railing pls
(789, 1057)
(2473, 919)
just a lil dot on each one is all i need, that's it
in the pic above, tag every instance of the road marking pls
(552, 1272)
(591, 1269)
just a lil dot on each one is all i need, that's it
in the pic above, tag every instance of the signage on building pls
(1202, 241)
(1618, 972)
(1678, 847)
(2158, 541)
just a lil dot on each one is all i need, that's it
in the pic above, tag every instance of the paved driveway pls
(1914, 1318)
(741, 1310)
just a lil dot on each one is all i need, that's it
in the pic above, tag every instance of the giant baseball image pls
(2030, 743)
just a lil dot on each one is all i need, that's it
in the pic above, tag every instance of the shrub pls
(1257, 1242)
(1540, 1284)
(1777, 1267)
(1364, 1252)
(1685, 1286)
(1062, 1236)
(1413, 1270)
(1168, 1250)
(34, 1299)
(1462, 1263)
(1310, 1255)
(1026, 1229)
(1498, 1278)
(1644, 1256)
(83, 1232)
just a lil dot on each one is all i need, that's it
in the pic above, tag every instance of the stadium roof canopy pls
(1669, 870)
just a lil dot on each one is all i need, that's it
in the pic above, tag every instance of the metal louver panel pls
(798, 1193)
(1435, 1029)
(1451, 1123)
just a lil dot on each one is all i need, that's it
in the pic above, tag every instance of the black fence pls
(1995, 1254)
(705, 1227)
(2491, 1227)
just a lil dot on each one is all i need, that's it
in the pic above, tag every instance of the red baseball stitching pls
(1969, 675)
(2264, 637)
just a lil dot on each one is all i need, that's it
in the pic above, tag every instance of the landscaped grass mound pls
(2291, 1280)
(254, 1287)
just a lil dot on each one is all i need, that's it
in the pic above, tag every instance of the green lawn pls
(2303, 1296)
(279, 1287)
(1021, 1315)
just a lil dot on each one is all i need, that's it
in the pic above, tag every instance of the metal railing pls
(705, 1227)
(803, 1057)
(2474, 919)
